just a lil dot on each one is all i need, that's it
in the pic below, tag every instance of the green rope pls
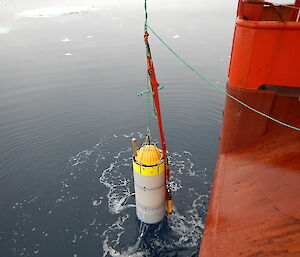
(147, 90)
(147, 83)
(223, 91)
(154, 113)
(150, 100)
(143, 92)
(146, 17)
(148, 106)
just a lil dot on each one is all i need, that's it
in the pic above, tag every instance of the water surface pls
(70, 72)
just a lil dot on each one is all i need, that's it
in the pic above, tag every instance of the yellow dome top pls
(148, 155)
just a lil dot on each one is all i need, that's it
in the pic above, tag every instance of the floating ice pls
(4, 30)
(66, 40)
(130, 135)
(54, 11)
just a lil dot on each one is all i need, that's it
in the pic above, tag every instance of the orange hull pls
(254, 208)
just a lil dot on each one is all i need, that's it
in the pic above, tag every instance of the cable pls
(214, 85)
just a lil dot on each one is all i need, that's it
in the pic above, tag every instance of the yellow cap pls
(148, 155)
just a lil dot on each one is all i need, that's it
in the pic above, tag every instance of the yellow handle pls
(169, 206)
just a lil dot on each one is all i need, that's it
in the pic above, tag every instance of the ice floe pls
(66, 40)
(4, 30)
(54, 11)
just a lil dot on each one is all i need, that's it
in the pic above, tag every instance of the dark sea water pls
(69, 79)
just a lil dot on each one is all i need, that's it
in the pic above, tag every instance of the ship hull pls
(254, 208)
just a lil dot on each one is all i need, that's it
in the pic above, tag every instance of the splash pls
(117, 230)
(95, 200)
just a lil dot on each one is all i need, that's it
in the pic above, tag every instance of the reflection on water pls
(69, 75)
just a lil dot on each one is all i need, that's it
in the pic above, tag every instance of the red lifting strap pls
(154, 87)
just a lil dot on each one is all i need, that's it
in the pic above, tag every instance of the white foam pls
(119, 190)
(119, 154)
(93, 223)
(114, 233)
(185, 225)
(188, 227)
(68, 54)
(175, 186)
(54, 11)
(141, 135)
(97, 202)
(176, 36)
